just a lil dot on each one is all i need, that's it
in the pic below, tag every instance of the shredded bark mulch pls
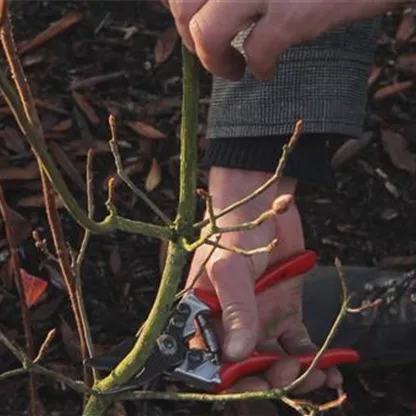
(85, 60)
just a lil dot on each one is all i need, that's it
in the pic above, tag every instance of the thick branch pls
(176, 258)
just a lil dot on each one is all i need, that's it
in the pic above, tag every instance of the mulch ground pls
(86, 59)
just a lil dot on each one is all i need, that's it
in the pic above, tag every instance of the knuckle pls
(237, 315)
(181, 11)
(203, 36)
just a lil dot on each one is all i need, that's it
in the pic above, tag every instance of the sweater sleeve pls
(323, 82)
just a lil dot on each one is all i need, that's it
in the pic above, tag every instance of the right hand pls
(271, 321)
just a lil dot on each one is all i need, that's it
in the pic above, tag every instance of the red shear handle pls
(292, 267)
(232, 372)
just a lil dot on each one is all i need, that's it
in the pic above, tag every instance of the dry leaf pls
(86, 107)
(33, 287)
(146, 130)
(406, 28)
(51, 32)
(71, 342)
(62, 126)
(153, 177)
(67, 165)
(165, 45)
(14, 173)
(349, 149)
(392, 89)
(395, 145)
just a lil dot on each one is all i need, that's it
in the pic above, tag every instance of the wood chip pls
(395, 145)
(153, 177)
(146, 130)
(51, 32)
(393, 89)
(86, 108)
(165, 45)
(65, 163)
(349, 149)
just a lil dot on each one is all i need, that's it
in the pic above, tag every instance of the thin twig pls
(124, 177)
(45, 345)
(42, 245)
(79, 260)
(200, 271)
(332, 332)
(30, 367)
(238, 250)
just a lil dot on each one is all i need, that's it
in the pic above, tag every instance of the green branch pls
(177, 256)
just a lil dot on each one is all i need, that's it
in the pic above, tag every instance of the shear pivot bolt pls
(167, 345)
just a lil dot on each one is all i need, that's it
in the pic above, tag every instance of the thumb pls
(230, 276)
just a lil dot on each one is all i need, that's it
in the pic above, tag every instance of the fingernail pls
(239, 344)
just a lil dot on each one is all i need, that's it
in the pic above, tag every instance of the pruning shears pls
(202, 368)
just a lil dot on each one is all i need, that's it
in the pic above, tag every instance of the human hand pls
(272, 321)
(208, 27)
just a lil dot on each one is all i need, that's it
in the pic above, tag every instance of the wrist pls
(227, 185)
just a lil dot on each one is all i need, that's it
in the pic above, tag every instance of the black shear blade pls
(109, 360)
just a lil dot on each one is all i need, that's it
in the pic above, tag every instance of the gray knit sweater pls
(323, 82)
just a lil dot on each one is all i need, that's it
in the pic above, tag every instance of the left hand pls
(208, 27)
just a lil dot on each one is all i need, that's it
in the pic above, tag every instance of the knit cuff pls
(308, 162)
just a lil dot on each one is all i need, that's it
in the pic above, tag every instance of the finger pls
(214, 27)
(183, 12)
(263, 46)
(283, 372)
(296, 341)
(250, 408)
(234, 287)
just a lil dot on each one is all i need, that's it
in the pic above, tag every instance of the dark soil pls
(366, 217)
